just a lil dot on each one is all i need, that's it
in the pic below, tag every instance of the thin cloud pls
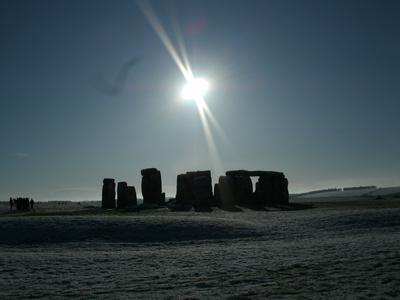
(22, 155)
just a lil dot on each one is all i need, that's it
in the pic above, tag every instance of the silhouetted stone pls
(202, 190)
(243, 189)
(162, 202)
(194, 188)
(149, 171)
(151, 186)
(226, 191)
(122, 195)
(131, 196)
(108, 193)
(217, 196)
(184, 193)
(271, 187)
(253, 173)
(285, 191)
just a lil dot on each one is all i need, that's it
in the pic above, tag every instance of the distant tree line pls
(359, 187)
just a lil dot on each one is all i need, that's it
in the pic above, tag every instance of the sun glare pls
(195, 89)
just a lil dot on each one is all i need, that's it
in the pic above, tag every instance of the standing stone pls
(108, 193)
(194, 188)
(243, 189)
(217, 196)
(184, 193)
(122, 194)
(226, 191)
(131, 196)
(271, 187)
(151, 187)
(202, 190)
(263, 193)
(285, 191)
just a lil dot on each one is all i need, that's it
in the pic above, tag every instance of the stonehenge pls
(217, 195)
(195, 189)
(151, 187)
(202, 188)
(122, 194)
(108, 193)
(132, 197)
(271, 187)
(126, 195)
(225, 191)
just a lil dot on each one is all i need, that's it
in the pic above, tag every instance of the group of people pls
(21, 203)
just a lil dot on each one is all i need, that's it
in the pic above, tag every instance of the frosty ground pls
(328, 250)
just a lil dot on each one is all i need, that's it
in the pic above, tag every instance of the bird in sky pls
(115, 87)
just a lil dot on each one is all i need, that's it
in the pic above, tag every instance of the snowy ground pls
(368, 192)
(321, 252)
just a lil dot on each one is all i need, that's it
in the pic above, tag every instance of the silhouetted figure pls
(11, 203)
(32, 203)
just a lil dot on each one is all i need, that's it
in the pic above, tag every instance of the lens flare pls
(195, 89)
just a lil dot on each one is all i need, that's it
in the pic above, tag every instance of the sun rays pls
(195, 88)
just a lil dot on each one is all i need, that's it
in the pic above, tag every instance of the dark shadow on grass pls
(203, 209)
(180, 207)
(294, 206)
(256, 207)
(149, 206)
(129, 209)
(231, 208)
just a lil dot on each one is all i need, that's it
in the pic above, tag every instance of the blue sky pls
(310, 88)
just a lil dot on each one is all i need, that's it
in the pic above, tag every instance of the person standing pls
(11, 203)
(32, 203)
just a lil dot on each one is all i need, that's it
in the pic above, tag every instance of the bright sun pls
(195, 89)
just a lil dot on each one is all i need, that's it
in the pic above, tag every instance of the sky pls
(309, 88)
